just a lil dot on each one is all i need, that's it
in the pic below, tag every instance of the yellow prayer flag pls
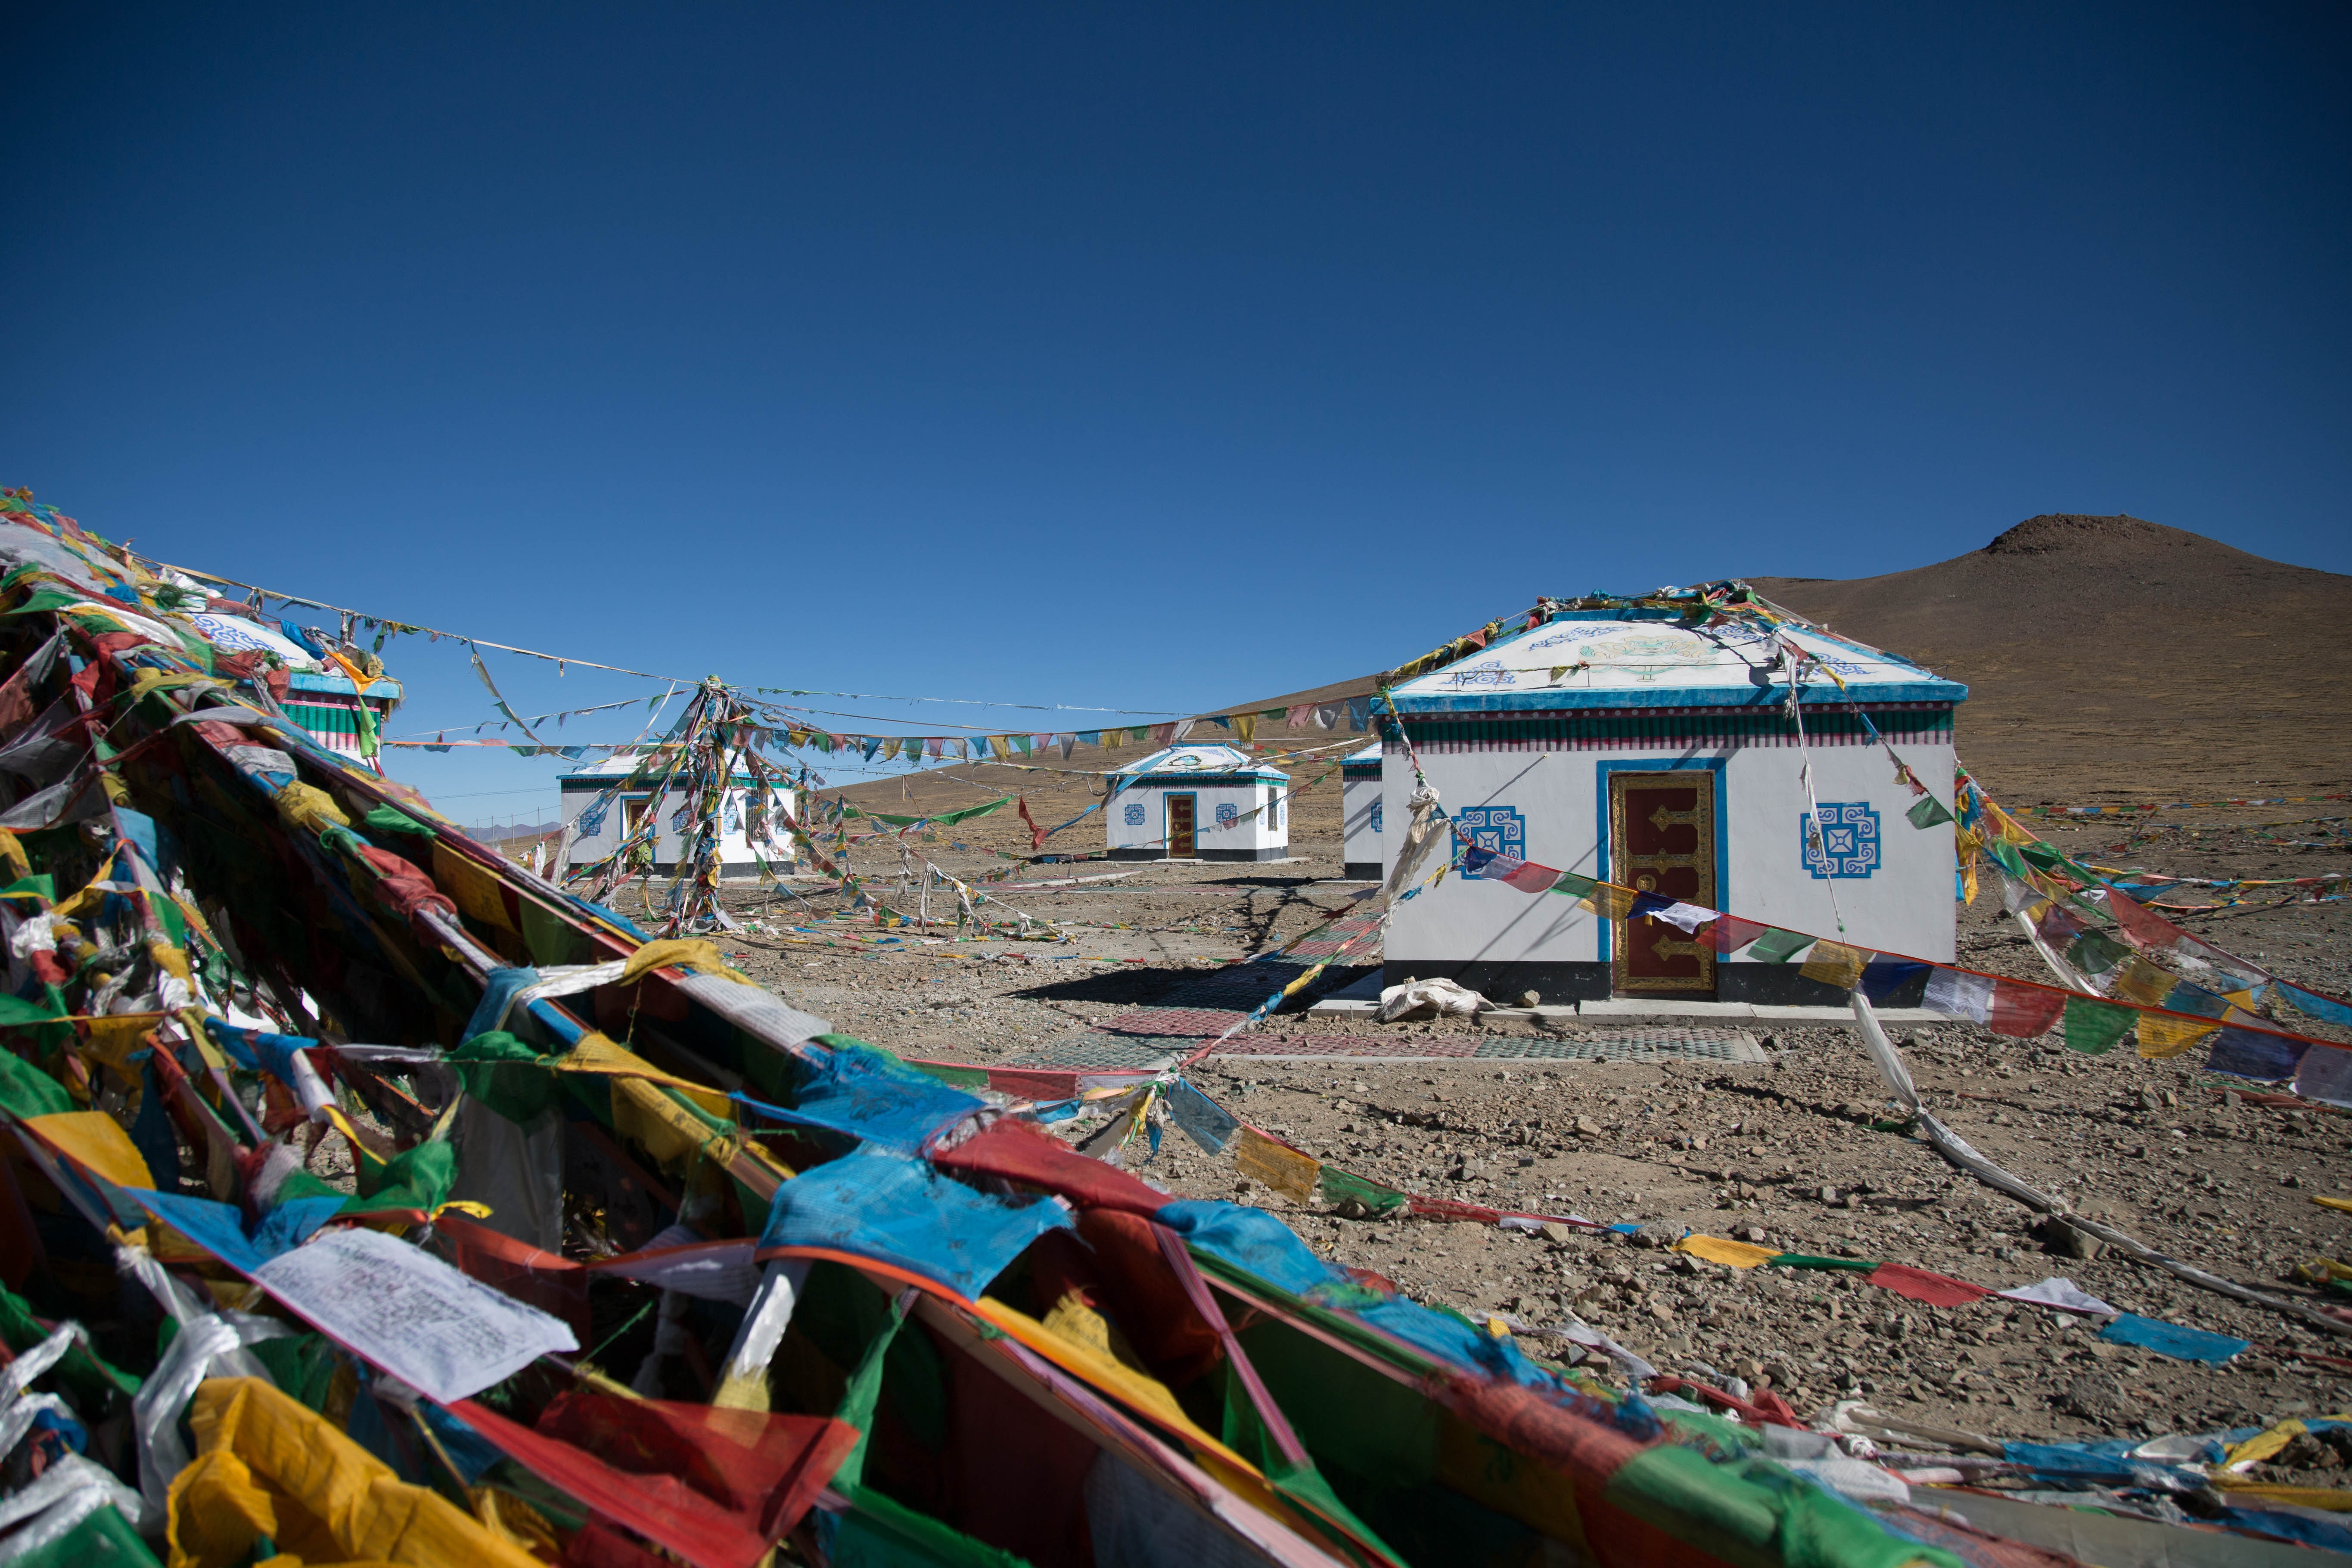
(1834, 963)
(269, 1466)
(2160, 1036)
(1730, 1254)
(113, 1038)
(2143, 982)
(1284, 1169)
(474, 890)
(1609, 902)
(95, 1142)
(1245, 727)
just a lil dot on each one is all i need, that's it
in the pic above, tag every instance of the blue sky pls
(1158, 359)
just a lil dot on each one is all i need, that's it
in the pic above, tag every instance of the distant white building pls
(1361, 807)
(597, 820)
(1625, 746)
(1198, 803)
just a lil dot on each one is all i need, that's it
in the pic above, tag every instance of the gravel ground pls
(1782, 1154)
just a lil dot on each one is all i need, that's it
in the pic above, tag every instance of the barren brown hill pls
(2112, 659)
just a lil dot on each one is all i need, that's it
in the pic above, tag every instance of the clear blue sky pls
(1156, 359)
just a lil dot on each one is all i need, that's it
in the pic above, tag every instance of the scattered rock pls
(2100, 1396)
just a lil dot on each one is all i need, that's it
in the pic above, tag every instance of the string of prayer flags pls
(2162, 1037)
(1355, 1195)
(1928, 812)
(1524, 874)
(1925, 1286)
(1198, 1118)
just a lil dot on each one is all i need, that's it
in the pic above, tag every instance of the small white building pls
(1361, 810)
(598, 818)
(1198, 803)
(1626, 745)
(316, 693)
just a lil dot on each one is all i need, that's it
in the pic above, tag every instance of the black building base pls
(1759, 984)
(1360, 871)
(1156, 853)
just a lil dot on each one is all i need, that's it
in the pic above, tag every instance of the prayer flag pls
(1245, 727)
(2246, 1053)
(2022, 1011)
(1001, 745)
(1526, 875)
(2162, 1037)
(1958, 995)
(1609, 901)
(1730, 1254)
(2093, 1028)
(1778, 946)
(1729, 934)
(1279, 1166)
(1920, 1285)
(1927, 812)
(1834, 963)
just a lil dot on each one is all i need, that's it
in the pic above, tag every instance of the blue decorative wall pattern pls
(1849, 840)
(1498, 829)
(1135, 814)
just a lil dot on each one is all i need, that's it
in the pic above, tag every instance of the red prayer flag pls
(1037, 834)
(1920, 1285)
(717, 1486)
(2144, 928)
(2022, 1011)
(1729, 934)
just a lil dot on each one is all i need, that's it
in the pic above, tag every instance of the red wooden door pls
(1662, 840)
(1181, 845)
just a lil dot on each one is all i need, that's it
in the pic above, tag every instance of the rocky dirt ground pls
(1782, 1154)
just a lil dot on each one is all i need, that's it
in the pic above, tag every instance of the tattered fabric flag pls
(1360, 713)
(2143, 982)
(2248, 1053)
(1730, 1254)
(2144, 928)
(1163, 734)
(1001, 745)
(2325, 1075)
(1245, 727)
(1112, 740)
(1342, 1189)
(1729, 934)
(1609, 901)
(1834, 963)
(2063, 1294)
(1299, 715)
(1685, 918)
(1283, 1168)
(1574, 885)
(1068, 744)
(1883, 977)
(1927, 812)
(1037, 834)
(1921, 1285)
(2172, 1339)
(1023, 744)
(2093, 1028)
(1198, 1118)
(1958, 995)
(2162, 1037)
(2022, 1011)
(1778, 946)
(1091, 737)
(933, 745)
(2327, 1009)
(1524, 874)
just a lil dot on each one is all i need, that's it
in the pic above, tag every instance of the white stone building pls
(1625, 746)
(1198, 803)
(1363, 814)
(597, 820)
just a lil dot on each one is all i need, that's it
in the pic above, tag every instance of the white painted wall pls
(1366, 815)
(1903, 906)
(735, 848)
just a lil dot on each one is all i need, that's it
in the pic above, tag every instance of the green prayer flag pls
(1806, 1260)
(1928, 811)
(392, 819)
(1339, 1187)
(2093, 1027)
(1778, 946)
(1571, 885)
(2095, 953)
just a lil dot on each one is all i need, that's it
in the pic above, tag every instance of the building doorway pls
(1183, 845)
(1662, 841)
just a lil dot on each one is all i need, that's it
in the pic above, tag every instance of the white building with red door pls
(1198, 803)
(1629, 744)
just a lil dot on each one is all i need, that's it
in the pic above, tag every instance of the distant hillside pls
(2110, 658)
